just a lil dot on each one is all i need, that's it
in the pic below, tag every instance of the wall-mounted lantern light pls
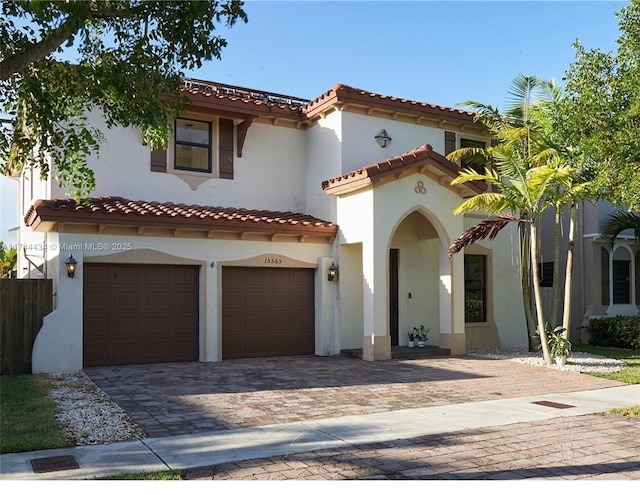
(383, 138)
(332, 273)
(71, 266)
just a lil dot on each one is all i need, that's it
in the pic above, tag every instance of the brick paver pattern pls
(592, 447)
(178, 398)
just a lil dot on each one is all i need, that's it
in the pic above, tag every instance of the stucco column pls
(326, 295)
(377, 341)
(58, 346)
(452, 330)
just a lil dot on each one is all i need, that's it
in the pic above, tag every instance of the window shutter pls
(449, 142)
(159, 160)
(225, 147)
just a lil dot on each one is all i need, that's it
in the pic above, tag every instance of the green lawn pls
(630, 375)
(27, 419)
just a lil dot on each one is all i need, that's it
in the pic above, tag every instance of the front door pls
(393, 296)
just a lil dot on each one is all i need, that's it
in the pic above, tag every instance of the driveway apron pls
(178, 398)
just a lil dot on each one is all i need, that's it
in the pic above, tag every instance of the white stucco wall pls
(273, 160)
(323, 162)
(58, 346)
(507, 309)
(360, 147)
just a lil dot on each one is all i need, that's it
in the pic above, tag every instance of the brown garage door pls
(267, 312)
(135, 314)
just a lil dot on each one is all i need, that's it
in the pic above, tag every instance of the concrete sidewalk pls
(265, 442)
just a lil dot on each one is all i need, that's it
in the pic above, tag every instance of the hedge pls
(618, 331)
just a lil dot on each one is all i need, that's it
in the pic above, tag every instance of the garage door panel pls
(267, 312)
(157, 276)
(123, 326)
(157, 300)
(158, 326)
(184, 276)
(126, 300)
(140, 314)
(253, 299)
(125, 275)
(184, 301)
(98, 326)
(182, 326)
(96, 299)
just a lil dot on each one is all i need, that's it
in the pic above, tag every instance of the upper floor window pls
(468, 163)
(200, 149)
(192, 145)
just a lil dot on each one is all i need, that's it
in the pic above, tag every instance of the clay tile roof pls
(344, 94)
(243, 100)
(113, 210)
(421, 159)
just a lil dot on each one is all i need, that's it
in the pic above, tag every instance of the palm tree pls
(618, 222)
(523, 196)
(527, 176)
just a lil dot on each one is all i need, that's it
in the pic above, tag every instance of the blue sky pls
(436, 52)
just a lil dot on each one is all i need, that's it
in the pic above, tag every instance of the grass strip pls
(27, 415)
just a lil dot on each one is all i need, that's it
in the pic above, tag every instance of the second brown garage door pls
(136, 314)
(267, 312)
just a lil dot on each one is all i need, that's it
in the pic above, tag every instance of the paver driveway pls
(177, 398)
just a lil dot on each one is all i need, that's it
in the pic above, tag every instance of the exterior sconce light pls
(383, 138)
(71, 266)
(332, 273)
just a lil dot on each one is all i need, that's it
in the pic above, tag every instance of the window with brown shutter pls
(449, 142)
(159, 160)
(225, 148)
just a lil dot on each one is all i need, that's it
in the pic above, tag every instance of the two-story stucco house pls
(223, 245)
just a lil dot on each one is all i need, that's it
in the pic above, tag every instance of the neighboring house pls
(220, 246)
(606, 276)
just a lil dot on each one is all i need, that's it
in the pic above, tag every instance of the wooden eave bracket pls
(243, 127)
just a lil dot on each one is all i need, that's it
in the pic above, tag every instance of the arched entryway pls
(414, 279)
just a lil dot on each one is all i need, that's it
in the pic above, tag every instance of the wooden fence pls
(23, 305)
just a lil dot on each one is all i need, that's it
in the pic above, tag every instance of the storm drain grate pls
(51, 464)
(555, 405)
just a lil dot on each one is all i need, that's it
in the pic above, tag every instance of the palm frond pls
(618, 222)
(477, 155)
(522, 94)
(486, 229)
(491, 203)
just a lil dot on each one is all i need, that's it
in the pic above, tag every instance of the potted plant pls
(412, 339)
(559, 346)
(421, 334)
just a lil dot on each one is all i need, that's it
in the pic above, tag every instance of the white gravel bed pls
(89, 415)
(578, 362)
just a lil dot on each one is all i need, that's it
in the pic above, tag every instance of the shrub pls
(618, 331)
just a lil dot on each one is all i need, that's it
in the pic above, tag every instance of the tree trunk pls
(537, 293)
(525, 282)
(568, 278)
(555, 291)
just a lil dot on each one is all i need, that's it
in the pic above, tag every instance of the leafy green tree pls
(128, 62)
(600, 121)
(8, 259)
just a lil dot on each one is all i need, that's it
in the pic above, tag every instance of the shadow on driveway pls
(177, 398)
